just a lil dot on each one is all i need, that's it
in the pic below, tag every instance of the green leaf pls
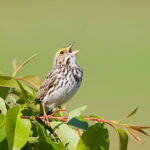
(4, 92)
(95, 138)
(123, 138)
(67, 135)
(32, 140)
(17, 129)
(132, 113)
(35, 109)
(28, 146)
(2, 127)
(78, 123)
(94, 116)
(3, 109)
(32, 80)
(2, 120)
(6, 81)
(4, 145)
(10, 101)
(45, 143)
(24, 92)
(2, 134)
(76, 112)
(30, 92)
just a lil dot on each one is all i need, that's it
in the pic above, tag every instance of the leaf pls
(29, 90)
(132, 113)
(45, 143)
(67, 135)
(35, 109)
(17, 129)
(134, 136)
(10, 101)
(32, 80)
(2, 127)
(76, 112)
(18, 91)
(28, 146)
(2, 120)
(3, 109)
(4, 145)
(94, 116)
(6, 81)
(76, 122)
(24, 63)
(32, 140)
(2, 134)
(95, 138)
(24, 92)
(140, 129)
(123, 138)
(4, 92)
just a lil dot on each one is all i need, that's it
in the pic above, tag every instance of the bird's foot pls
(45, 119)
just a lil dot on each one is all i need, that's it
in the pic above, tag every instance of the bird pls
(62, 82)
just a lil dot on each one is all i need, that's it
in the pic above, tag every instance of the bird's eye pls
(61, 52)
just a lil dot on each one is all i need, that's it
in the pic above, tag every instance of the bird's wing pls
(46, 85)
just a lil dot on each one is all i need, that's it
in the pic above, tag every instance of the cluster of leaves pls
(21, 126)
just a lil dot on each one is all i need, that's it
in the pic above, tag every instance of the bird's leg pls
(45, 118)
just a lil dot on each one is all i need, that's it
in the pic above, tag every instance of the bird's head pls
(65, 55)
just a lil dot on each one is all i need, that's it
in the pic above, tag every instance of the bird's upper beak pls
(70, 49)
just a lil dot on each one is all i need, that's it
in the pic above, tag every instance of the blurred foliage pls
(22, 127)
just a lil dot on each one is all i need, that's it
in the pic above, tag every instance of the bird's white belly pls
(61, 95)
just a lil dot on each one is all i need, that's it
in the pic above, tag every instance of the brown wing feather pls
(46, 85)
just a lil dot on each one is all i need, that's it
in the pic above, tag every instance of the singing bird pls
(62, 82)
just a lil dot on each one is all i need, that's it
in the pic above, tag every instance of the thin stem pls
(79, 132)
(65, 119)
(27, 117)
(21, 65)
(59, 111)
(98, 120)
(27, 82)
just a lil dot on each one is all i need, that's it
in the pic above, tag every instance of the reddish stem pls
(98, 120)
(58, 118)
(27, 117)
(64, 119)
(79, 132)
(59, 111)
(28, 82)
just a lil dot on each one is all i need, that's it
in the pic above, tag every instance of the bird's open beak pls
(70, 49)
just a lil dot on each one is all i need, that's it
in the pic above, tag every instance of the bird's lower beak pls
(75, 52)
(70, 49)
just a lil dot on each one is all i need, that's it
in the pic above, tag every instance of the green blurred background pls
(114, 39)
